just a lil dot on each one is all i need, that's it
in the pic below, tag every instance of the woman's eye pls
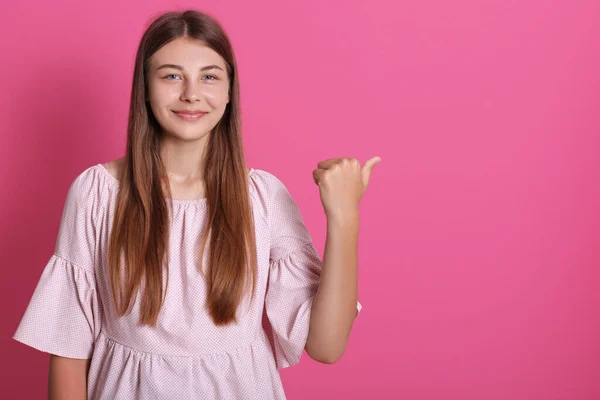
(175, 76)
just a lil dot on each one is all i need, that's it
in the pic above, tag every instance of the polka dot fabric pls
(185, 356)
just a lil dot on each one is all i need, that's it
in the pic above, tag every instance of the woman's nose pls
(191, 93)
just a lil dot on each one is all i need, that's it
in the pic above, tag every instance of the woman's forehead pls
(187, 53)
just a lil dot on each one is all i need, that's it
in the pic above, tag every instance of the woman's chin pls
(186, 135)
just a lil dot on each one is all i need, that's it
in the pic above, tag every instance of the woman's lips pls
(190, 115)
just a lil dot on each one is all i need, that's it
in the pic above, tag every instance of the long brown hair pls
(137, 252)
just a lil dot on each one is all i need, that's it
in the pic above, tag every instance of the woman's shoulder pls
(92, 186)
(266, 187)
(114, 168)
(90, 182)
(84, 205)
(272, 195)
(264, 180)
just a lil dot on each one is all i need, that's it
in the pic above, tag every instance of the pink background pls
(479, 246)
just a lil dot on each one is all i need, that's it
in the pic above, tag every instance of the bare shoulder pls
(115, 167)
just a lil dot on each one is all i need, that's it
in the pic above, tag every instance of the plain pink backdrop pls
(479, 248)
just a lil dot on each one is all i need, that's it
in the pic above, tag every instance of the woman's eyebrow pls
(179, 67)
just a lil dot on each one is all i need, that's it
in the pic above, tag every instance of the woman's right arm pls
(64, 315)
(67, 378)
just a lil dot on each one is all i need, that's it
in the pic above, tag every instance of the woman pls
(179, 272)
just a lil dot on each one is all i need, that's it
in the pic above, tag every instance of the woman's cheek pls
(215, 95)
(162, 96)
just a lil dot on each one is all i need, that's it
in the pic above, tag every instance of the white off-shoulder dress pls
(71, 312)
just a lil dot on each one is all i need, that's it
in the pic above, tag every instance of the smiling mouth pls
(189, 116)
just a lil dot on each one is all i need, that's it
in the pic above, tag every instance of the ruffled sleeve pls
(63, 315)
(295, 270)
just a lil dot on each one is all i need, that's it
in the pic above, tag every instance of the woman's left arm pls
(342, 182)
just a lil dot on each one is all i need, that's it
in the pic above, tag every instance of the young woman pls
(179, 273)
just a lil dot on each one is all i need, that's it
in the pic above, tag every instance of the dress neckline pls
(115, 182)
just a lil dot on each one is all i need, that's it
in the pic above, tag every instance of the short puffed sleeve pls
(294, 272)
(63, 315)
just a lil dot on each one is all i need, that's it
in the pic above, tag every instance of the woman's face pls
(186, 75)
